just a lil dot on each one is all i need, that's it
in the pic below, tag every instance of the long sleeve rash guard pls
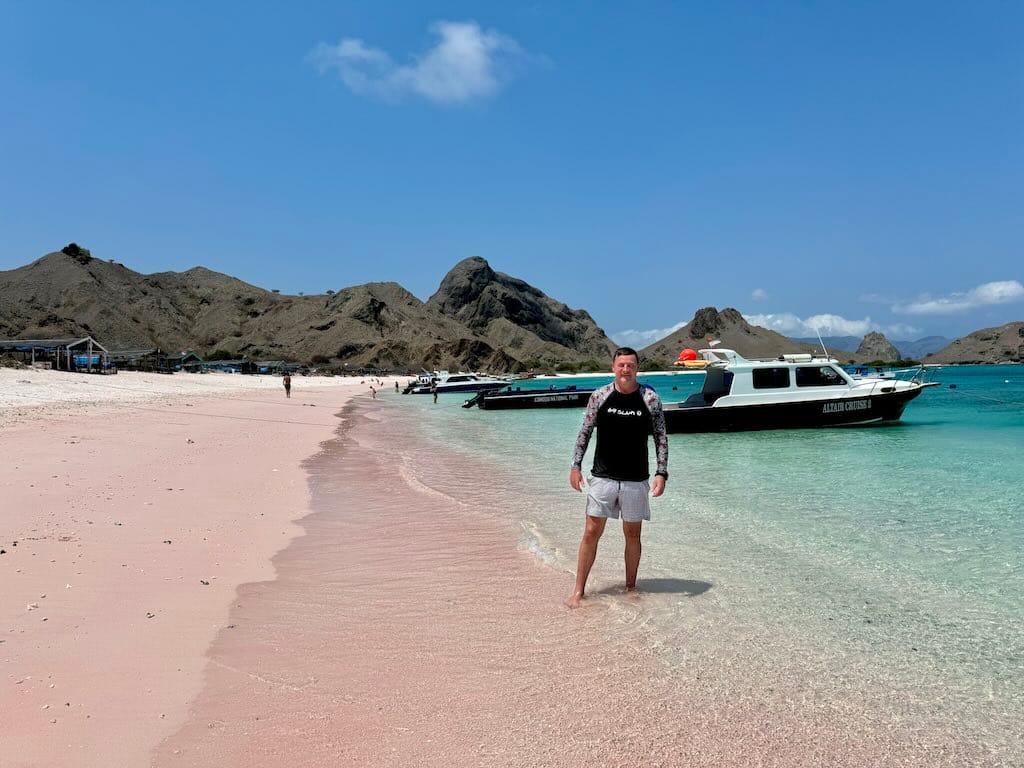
(623, 424)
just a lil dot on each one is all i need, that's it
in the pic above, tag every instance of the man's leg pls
(631, 531)
(585, 561)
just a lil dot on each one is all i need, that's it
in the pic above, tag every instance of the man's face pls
(624, 367)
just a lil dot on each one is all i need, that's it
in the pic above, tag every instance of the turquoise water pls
(875, 570)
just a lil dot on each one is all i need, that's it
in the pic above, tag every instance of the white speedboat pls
(446, 382)
(788, 392)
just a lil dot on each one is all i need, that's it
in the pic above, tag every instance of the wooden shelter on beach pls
(231, 366)
(155, 360)
(85, 355)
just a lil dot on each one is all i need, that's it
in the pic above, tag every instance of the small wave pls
(410, 479)
(536, 544)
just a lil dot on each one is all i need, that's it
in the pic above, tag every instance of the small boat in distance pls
(445, 382)
(788, 392)
(518, 398)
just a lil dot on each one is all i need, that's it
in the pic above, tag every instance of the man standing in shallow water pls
(625, 414)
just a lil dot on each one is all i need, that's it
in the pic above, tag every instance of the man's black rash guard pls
(623, 423)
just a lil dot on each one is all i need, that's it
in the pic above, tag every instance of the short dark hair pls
(625, 351)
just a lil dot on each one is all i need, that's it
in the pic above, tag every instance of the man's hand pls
(576, 479)
(659, 485)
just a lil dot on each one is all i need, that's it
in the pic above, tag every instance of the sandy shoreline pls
(406, 627)
(133, 507)
(195, 584)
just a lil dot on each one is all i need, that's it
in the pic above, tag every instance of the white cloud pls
(759, 294)
(790, 325)
(640, 339)
(902, 332)
(466, 63)
(987, 294)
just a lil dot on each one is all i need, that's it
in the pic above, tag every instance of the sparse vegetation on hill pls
(79, 254)
(381, 325)
(478, 318)
(1004, 344)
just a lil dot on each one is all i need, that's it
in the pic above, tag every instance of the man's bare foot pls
(574, 600)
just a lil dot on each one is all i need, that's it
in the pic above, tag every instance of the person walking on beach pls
(287, 381)
(433, 390)
(624, 414)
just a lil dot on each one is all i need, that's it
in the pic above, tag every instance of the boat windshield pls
(717, 382)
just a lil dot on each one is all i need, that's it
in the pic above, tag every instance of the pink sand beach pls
(208, 574)
(133, 508)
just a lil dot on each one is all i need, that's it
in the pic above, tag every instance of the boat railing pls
(921, 375)
(916, 374)
(725, 356)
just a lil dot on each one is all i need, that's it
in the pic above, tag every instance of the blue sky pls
(854, 166)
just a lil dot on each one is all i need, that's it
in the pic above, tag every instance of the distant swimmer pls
(287, 381)
(624, 414)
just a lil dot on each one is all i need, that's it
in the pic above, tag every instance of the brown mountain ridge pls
(729, 328)
(478, 318)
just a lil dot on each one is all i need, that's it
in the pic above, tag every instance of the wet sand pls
(407, 628)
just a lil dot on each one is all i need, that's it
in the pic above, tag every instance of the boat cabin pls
(798, 376)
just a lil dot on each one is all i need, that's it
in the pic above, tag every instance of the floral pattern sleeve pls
(658, 430)
(597, 398)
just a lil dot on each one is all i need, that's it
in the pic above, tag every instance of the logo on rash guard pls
(620, 412)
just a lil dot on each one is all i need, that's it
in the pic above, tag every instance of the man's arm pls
(597, 397)
(660, 440)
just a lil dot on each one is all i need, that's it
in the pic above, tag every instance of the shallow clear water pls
(881, 567)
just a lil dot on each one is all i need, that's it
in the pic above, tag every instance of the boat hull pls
(878, 408)
(538, 398)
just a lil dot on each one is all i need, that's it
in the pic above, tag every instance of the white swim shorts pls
(610, 498)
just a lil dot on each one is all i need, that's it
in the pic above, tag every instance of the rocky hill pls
(875, 347)
(842, 346)
(1004, 344)
(729, 327)
(992, 345)
(521, 319)
(478, 319)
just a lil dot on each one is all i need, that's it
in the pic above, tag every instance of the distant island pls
(477, 319)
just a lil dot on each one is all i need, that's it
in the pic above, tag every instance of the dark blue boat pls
(517, 398)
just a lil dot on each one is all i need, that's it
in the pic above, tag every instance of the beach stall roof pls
(231, 366)
(68, 354)
(186, 361)
(279, 366)
(50, 344)
(133, 354)
(155, 360)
